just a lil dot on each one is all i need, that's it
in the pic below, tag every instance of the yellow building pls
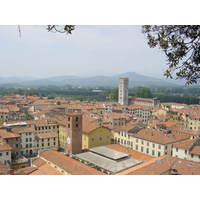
(62, 135)
(95, 135)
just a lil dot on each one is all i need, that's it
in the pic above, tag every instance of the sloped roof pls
(68, 164)
(159, 136)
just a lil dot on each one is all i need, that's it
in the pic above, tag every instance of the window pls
(68, 118)
(42, 144)
(185, 151)
(159, 153)
(92, 139)
(48, 144)
(192, 155)
(176, 149)
(29, 133)
(76, 125)
(26, 139)
(147, 143)
(136, 140)
(30, 139)
(142, 142)
(42, 140)
(0, 154)
(68, 125)
(124, 141)
(17, 153)
(48, 139)
(153, 145)
(136, 147)
(30, 145)
(76, 119)
(121, 141)
(153, 152)
(132, 144)
(159, 146)
(142, 148)
(16, 139)
(165, 147)
(7, 153)
(147, 150)
(17, 145)
(26, 145)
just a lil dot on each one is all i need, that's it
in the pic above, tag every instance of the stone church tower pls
(74, 133)
(123, 91)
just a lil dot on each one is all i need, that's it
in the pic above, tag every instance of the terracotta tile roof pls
(159, 136)
(5, 134)
(12, 108)
(185, 144)
(151, 167)
(127, 128)
(135, 154)
(195, 150)
(27, 170)
(5, 146)
(4, 169)
(186, 167)
(68, 164)
(164, 164)
(49, 170)
(40, 123)
(183, 130)
(3, 110)
(23, 130)
(37, 172)
(38, 162)
(46, 135)
(169, 124)
(88, 127)
(89, 119)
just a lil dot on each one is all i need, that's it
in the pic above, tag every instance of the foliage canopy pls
(181, 45)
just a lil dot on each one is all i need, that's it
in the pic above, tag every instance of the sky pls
(107, 39)
(90, 50)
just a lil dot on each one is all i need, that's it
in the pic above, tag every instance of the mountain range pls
(112, 81)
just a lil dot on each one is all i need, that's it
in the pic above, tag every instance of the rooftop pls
(108, 159)
(160, 137)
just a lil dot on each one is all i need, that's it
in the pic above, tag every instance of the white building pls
(189, 150)
(28, 140)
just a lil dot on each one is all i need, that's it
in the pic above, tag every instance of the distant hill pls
(112, 81)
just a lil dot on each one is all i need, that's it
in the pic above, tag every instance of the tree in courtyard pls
(181, 45)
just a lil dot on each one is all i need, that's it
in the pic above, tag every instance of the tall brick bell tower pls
(74, 133)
